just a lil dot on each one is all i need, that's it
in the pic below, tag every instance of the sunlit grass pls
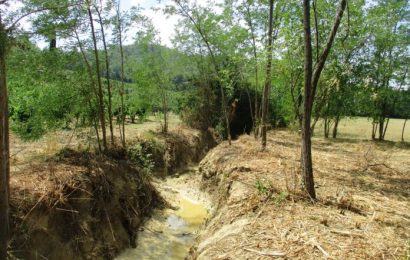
(361, 128)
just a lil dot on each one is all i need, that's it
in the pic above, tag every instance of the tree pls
(154, 70)
(387, 58)
(201, 26)
(310, 86)
(4, 146)
(268, 80)
(107, 71)
(100, 94)
(119, 30)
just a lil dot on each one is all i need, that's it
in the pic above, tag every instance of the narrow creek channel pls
(170, 233)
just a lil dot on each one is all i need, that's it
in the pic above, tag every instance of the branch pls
(326, 51)
(10, 28)
(316, 30)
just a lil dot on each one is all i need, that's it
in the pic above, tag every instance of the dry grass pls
(23, 153)
(361, 128)
(362, 212)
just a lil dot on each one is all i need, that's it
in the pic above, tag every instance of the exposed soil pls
(79, 205)
(362, 212)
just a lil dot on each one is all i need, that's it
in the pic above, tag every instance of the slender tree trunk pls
(335, 126)
(402, 131)
(268, 80)
(4, 148)
(122, 91)
(326, 127)
(225, 110)
(312, 128)
(94, 123)
(306, 159)
(92, 85)
(100, 90)
(256, 120)
(165, 111)
(311, 82)
(107, 74)
(381, 127)
(385, 127)
(374, 129)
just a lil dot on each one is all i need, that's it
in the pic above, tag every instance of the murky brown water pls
(169, 233)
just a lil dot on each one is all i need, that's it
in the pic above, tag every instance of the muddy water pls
(171, 232)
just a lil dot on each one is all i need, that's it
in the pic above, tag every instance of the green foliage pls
(261, 187)
(44, 92)
(142, 157)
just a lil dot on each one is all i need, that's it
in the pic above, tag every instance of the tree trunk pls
(225, 110)
(385, 127)
(326, 127)
(312, 127)
(94, 123)
(165, 111)
(100, 90)
(92, 84)
(374, 129)
(107, 74)
(402, 131)
(268, 80)
(335, 126)
(122, 91)
(311, 82)
(256, 119)
(4, 148)
(53, 41)
(306, 159)
(381, 127)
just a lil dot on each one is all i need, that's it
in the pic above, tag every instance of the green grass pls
(361, 128)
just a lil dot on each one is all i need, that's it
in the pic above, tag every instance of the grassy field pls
(361, 128)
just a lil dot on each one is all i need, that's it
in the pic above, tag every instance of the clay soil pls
(363, 211)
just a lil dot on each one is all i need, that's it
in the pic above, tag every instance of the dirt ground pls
(363, 210)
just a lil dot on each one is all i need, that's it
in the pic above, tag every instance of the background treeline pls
(214, 74)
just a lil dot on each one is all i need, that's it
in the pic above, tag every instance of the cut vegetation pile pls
(78, 206)
(362, 212)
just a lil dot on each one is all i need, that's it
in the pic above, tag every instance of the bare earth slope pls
(363, 210)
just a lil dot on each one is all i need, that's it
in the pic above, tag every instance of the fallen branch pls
(269, 253)
(68, 210)
(38, 202)
(109, 223)
(316, 244)
(345, 233)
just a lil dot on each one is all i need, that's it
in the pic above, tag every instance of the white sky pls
(163, 24)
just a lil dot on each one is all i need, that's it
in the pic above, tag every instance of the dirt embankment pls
(78, 205)
(362, 212)
(180, 148)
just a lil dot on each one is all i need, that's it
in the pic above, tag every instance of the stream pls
(170, 233)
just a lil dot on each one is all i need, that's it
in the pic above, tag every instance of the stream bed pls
(170, 233)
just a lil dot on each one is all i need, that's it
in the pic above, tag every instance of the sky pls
(163, 24)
